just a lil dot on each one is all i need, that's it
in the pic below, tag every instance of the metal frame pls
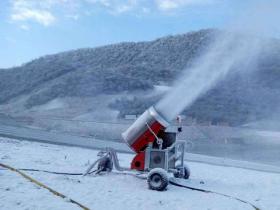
(179, 147)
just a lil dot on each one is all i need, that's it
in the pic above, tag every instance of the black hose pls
(52, 172)
(217, 193)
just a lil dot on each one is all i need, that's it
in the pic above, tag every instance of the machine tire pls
(186, 175)
(157, 179)
(105, 164)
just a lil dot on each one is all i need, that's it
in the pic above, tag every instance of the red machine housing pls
(141, 133)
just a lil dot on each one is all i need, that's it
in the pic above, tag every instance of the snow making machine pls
(158, 153)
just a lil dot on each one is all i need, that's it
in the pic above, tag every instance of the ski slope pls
(117, 191)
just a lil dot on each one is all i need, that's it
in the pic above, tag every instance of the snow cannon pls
(142, 132)
(158, 153)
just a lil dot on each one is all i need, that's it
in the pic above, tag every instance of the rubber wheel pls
(186, 175)
(105, 164)
(157, 179)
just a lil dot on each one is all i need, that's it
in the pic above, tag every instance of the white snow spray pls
(238, 47)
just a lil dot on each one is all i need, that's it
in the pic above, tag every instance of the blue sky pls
(33, 28)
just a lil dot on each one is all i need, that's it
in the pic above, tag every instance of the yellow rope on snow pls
(42, 185)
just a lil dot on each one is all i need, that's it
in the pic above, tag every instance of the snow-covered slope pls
(115, 191)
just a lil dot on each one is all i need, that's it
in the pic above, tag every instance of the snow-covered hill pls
(114, 80)
(117, 191)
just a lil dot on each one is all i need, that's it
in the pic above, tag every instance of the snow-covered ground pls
(115, 191)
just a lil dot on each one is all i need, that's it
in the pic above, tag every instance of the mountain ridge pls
(131, 67)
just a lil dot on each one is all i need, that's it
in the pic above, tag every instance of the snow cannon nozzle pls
(144, 130)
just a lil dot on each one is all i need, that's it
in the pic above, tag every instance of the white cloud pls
(40, 16)
(146, 6)
(165, 5)
(115, 6)
(46, 12)
(29, 10)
